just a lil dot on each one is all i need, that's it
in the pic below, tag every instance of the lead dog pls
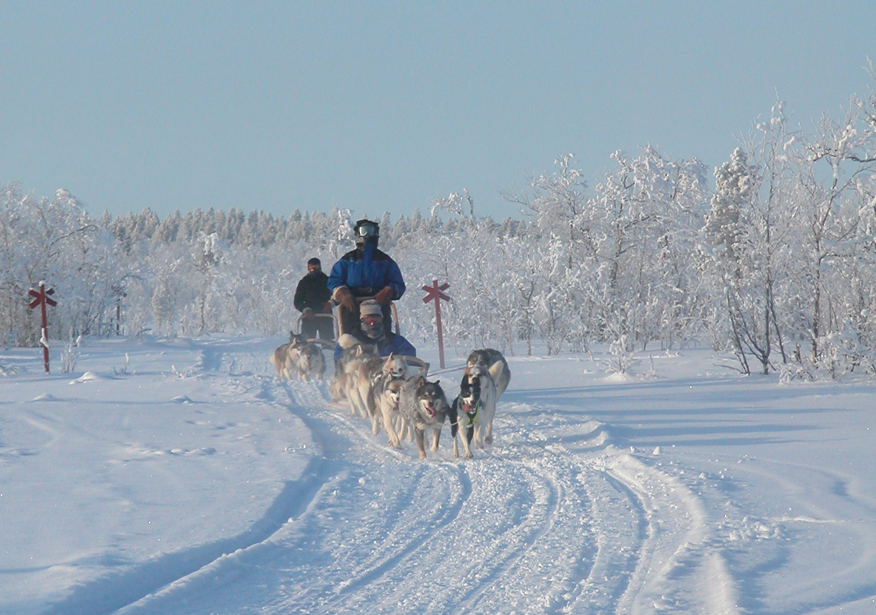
(364, 373)
(286, 356)
(424, 406)
(474, 410)
(493, 361)
(384, 394)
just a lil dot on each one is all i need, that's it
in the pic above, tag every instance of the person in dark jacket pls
(372, 331)
(365, 272)
(312, 297)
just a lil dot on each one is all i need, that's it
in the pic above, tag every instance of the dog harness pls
(474, 416)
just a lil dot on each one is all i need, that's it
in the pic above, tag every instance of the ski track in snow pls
(555, 517)
(375, 530)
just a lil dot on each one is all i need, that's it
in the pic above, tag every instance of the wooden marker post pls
(435, 292)
(41, 298)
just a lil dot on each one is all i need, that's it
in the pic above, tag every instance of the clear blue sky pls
(383, 106)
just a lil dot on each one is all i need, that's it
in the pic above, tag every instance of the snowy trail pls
(551, 519)
(201, 484)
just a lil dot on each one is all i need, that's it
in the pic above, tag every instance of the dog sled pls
(338, 321)
(335, 329)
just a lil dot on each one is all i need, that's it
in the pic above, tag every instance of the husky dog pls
(494, 361)
(286, 355)
(354, 350)
(474, 408)
(385, 393)
(311, 362)
(424, 405)
(361, 374)
(383, 396)
(396, 369)
(401, 366)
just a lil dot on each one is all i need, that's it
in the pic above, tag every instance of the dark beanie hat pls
(313, 261)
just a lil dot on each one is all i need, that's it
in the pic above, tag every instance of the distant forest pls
(775, 263)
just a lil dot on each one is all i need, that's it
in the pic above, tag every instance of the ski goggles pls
(372, 320)
(367, 230)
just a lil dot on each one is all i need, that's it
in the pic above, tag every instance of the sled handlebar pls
(315, 315)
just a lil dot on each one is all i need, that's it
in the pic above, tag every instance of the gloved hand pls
(384, 296)
(307, 313)
(343, 296)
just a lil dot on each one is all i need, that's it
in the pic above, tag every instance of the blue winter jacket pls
(392, 343)
(367, 273)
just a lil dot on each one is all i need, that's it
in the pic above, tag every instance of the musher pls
(365, 272)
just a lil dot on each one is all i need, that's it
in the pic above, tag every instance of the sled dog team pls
(393, 392)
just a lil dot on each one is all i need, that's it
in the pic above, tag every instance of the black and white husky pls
(474, 408)
(493, 361)
(424, 406)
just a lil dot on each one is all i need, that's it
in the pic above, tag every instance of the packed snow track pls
(552, 518)
(195, 481)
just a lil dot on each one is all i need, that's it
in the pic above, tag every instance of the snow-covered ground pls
(183, 477)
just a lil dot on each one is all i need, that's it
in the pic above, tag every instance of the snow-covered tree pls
(841, 160)
(763, 248)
